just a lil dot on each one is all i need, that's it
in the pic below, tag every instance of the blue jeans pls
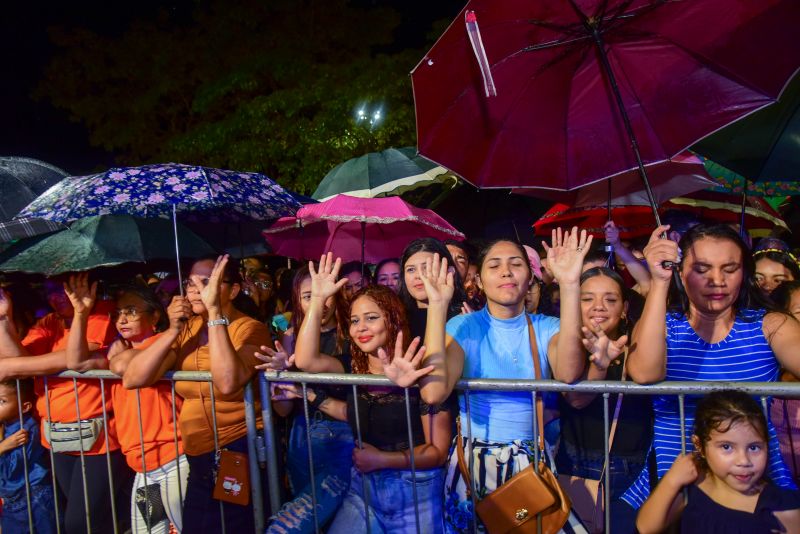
(15, 511)
(391, 498)
(332, 448)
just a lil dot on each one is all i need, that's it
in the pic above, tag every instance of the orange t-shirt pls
(50, 335)
(158, 426)
(196, 420)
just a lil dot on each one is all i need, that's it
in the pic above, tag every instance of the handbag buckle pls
(521, 514)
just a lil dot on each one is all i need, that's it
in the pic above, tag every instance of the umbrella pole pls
(363, 246)
(625, 119)
(742, 230)
(177, 248)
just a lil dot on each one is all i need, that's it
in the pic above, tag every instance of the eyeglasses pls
(130, 313)
(262, 284)
(187, 283)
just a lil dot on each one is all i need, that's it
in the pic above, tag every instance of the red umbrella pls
(586, 89)
(637, 221)
(682, 174)
(366, 229)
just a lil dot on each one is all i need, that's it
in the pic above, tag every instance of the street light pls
(369, 115)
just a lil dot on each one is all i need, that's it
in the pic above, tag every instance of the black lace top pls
(382, 416)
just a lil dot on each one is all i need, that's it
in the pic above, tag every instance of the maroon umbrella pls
(579, 83)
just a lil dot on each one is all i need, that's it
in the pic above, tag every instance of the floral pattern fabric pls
(213, 195)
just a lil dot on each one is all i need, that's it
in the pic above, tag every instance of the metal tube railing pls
(535, 387)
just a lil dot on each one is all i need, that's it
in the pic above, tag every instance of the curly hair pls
(394, 316)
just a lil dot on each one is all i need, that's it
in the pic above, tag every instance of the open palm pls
(403, 369)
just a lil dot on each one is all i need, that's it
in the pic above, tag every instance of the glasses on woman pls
(130, 313)
(262, 284)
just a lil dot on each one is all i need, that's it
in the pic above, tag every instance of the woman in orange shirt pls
(144, 417)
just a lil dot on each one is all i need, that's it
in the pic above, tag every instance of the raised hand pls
(274, 360)
(658, 251)
(565, 254)
(603, 350)
(612, 233)
(5, 304)
(438, 280)
(403, 368)
(683, 471)
(178, 312)
(80, 293)
(209, 292)
(324, 281)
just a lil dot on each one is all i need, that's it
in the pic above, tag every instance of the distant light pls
(373, 116)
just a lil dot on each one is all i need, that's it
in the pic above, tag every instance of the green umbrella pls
(101, 241)
(730, 182)
(379, 174)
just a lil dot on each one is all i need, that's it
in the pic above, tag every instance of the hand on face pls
(565, 254)
(80, 294)
(210, 289)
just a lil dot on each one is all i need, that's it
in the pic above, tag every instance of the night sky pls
(36, 129)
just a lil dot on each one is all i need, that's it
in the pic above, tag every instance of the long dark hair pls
(750, 296)
(624, 327)
(434, 246)
(395, 317)
(340, 308)
(782, 296)
(781, 257)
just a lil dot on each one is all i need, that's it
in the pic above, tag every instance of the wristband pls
(321, 396)
(222, 321)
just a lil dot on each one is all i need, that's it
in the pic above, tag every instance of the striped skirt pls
(493, 464)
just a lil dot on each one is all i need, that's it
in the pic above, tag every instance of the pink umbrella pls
(366, 229)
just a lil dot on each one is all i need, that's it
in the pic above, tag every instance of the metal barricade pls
(535, 387)
(255, 455)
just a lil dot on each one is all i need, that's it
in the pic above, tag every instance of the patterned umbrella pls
(158, 190)
(730, 182)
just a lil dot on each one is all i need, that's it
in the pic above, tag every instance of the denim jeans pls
(391, 499)
(15, 511)
(332, 449)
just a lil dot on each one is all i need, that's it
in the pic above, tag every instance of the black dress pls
(704, 516)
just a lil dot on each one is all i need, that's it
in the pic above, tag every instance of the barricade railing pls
(535, 387)
(254, 445)
(266, 452)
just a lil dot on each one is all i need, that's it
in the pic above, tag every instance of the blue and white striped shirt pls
(743, 356)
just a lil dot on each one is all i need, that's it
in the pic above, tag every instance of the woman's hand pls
(603, 349)
(659, 250)
(80, 294)
(178, 312)
(324, 281)
(612, 233)
(368, 458)
(209, 293)
(565, 254)
(438, 280)
(283, 391)
(403, 368)
(274, 360)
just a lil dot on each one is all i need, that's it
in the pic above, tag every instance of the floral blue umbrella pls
(169, 190)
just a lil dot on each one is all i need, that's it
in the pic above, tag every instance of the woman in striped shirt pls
(724, 332)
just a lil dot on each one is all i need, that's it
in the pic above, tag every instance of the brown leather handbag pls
(513, 507)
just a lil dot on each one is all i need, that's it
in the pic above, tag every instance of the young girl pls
(727, 488)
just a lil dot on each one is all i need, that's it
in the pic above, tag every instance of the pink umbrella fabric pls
(366, 229)
(683, 174)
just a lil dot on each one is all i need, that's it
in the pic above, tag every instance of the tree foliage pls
(266, 86)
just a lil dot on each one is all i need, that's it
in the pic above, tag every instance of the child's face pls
(737, 457)
(9, 410)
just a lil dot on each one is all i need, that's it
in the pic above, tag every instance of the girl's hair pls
(151, 300)
(749, 295)
(779, 256)
(394, 315)
(721, 410)
(782, 295)
(624, 325)
(434, 246)
(340, 308)
(487, 247)
(231, 274)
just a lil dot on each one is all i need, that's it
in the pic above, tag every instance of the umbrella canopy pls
(22, 180)
(682, 174)
(729, 182)
(577, 81)
(632, 221)
(727, 208)
(763, 147)
(101, 241)
(156, 190)
(378, 174)
(367, 229)
(23, 227)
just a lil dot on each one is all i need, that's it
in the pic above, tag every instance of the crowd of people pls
(696, 302)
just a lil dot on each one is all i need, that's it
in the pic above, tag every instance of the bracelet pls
(222, 321)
